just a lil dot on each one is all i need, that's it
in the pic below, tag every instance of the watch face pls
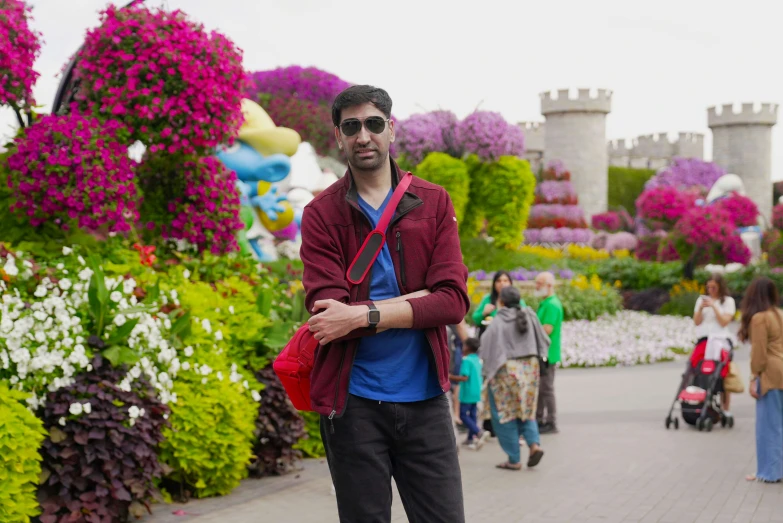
(374, 317)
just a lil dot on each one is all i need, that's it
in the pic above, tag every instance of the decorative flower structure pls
(551, 191)
(420, 135)
(305, 83)
(664, 203)
(74, 169)
(19, 47)
(741, 209)
(687, 173)
(177, 86)
(712, 234)
(607, 221)
(489, 136)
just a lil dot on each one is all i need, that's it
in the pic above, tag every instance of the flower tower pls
(556, 216)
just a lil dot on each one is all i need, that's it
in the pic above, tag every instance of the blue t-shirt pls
(395, 365)
(470, 391)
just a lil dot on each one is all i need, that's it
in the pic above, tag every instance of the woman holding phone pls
(712, 316)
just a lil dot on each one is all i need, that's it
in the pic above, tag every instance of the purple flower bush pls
(306, 83)
(176, 86)
(420, 135)
(488, 135)
(523, 274)
(558, 235)
(687, 173)
(19, 47)
(447, 121)
(74, 169)
(626, 338)
(551, 191)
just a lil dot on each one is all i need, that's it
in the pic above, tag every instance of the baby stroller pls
(701, 387)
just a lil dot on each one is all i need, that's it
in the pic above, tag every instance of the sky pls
(666, 61)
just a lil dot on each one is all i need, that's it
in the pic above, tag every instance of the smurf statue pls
(261, 159)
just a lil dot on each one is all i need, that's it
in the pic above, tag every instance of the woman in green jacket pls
(488, 306)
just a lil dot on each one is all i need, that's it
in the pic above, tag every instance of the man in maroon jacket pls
(382, 366)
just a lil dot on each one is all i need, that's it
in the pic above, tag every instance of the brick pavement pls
(612, 462)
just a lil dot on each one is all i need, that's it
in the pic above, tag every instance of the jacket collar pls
(408, 202)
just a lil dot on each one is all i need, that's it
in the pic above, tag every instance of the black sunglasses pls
(374, 124)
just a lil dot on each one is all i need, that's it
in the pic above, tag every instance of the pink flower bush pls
(656, 247)
(665, 204)
(777, 216)
(306, 83)
(556, 170)
(19, 47)
(74, 169)
(607, 221)
(176, 86)
(488, 135)
(207, 213)
(557, 216)
(687, 173)
(551, 191)
(420, 135)
(711, 234)
(741, 209)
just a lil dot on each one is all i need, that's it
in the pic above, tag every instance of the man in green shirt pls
(550, 313)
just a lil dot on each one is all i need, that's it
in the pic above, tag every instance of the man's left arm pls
(446, 276)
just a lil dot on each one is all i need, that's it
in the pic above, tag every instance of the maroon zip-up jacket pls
(425, 249)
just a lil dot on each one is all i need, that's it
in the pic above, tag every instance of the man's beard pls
(368, 164)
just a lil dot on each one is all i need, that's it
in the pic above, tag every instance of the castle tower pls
(576, 135)
(742, 144)
(535, 133)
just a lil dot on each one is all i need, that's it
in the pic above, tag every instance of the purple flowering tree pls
(487, 135)
(420, 135)
(687, 173)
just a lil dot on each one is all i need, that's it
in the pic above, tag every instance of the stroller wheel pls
(723, 421)
(676, 423)
(700, 424)
(731, 422)
(708, 425)
(668, 422)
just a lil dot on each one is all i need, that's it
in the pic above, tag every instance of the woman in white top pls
(713, 314)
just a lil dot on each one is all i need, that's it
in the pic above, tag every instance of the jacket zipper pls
(402, 261)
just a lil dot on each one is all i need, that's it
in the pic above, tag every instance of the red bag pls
(295, 362)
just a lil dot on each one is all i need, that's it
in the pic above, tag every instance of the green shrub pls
(312, 445)
(210, 442)
(680, 305)
(583, 303)
(451, 174)
(638, 275)
(625, 186)
(21, 435)
(501, 194)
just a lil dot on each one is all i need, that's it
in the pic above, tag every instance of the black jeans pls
(412, 442)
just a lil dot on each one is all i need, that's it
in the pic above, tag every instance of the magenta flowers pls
(740, 209)
(207, 214)
(74, 169)
(664, 204)
(176, 86)
(19, 47)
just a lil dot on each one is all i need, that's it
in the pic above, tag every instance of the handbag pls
(733, 382)
(294, 364)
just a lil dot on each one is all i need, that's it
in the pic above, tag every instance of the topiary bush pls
(501, 193)
(177, 86)
(209, 444)
(196, 201)
(451, 174)
(74, 171)
(21, 435)
(278, 429)
(625, 185)
(99, 462)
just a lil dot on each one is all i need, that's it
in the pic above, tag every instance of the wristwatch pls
(373, 315)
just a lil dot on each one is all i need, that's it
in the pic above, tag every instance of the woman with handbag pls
(762, 325)
(511, 348)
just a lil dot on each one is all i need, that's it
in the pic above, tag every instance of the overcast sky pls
(666, 61)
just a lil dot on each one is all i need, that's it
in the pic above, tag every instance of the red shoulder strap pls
(374, 243)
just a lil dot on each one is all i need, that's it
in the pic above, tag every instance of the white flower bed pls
(627, 338)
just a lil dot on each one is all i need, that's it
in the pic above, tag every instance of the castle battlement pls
(534, 135)
(749, 114)
(655, 150)
(586, 101)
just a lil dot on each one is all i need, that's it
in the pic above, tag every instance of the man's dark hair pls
(361, 94)
(472, 345)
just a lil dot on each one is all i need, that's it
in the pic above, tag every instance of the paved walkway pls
(613, 461)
